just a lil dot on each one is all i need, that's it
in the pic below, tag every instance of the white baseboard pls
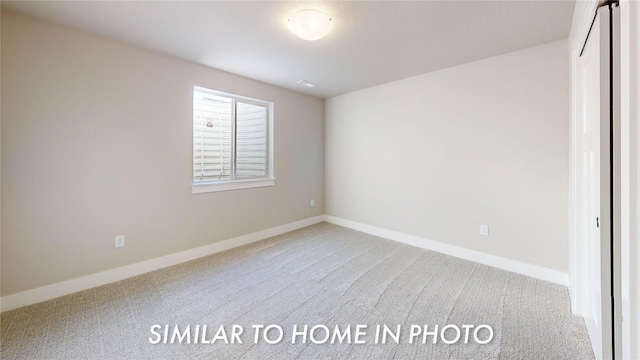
(52, 291)
(595, 336)
(519, 267)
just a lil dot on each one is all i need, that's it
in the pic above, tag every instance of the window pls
(232, 142)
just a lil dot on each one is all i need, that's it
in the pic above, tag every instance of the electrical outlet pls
(484, 230)
(312, 203)
(119, 241)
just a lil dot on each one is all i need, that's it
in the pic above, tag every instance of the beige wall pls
(96, 142)
(438, 154)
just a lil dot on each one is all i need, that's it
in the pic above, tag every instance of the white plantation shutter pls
(251, 140)
(230, 137)
(212, 140)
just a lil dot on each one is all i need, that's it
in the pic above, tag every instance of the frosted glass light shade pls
(310, 25)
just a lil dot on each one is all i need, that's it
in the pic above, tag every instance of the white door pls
(594, 191)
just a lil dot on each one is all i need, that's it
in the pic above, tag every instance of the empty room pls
(319, 180)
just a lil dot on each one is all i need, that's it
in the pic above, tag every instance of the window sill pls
(230, 185)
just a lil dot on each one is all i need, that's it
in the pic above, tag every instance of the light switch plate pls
(119, 241)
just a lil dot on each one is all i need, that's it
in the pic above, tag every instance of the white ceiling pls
(373, 42)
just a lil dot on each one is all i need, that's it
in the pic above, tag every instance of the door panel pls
(594, 196)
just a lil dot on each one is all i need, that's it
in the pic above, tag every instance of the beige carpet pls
(321, 275)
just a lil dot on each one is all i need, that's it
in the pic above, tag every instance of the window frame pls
(205, 186)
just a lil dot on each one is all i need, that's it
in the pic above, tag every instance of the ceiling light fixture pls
(305, 83)
(310, 25)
